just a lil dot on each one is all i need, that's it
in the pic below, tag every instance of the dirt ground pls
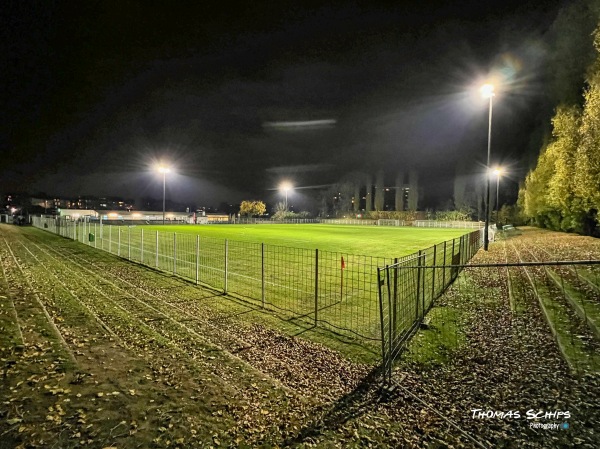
(101, 353)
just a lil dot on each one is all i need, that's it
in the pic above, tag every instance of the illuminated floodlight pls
(286, 187)
(487, 90)
(164, 169)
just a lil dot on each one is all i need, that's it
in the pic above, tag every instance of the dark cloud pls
(111, 87)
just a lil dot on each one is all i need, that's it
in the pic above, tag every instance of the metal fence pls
(340, 221)
(567, 293)
(448, 224)
(334, 290)
(368, 222)
(409, 287)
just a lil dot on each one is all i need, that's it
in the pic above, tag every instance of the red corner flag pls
(343, 263)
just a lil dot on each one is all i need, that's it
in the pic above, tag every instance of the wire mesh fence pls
(333, 290)
(409, 287)
(561, 299)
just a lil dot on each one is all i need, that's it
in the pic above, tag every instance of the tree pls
(341, 196)
(563, 191)
(250, 208)
(460, 186)
(563, 151)
(259, 208)
(570, 49)
(356, 198)
(399, 200)
(536, 199)
(379, 191)
(587, 163)
(368, 195)
(413, 190)
(282, 212)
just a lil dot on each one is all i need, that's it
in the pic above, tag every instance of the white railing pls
(448, 224)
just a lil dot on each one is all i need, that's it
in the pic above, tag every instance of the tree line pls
(562, 192)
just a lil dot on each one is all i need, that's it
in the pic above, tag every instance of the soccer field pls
(360, 240)
(320, 275)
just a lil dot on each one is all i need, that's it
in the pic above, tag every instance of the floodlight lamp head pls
(163, 169)
(487, 90)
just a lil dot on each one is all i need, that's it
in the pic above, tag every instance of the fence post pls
(197, 257)
(433, 274)
(444, 269)
(418, 285)
(468, 239)
(174, 253)
(395, 309)
(142, 247)
(129, 242)
(226, 264)
(423, 277)
(95, 236)
(381, 317)
(262, 272)
(119, 243)
(316, 286)
(156, 252)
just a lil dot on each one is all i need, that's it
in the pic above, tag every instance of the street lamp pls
(164, 170)
(286, 186)
(498, 172)
(487, 91)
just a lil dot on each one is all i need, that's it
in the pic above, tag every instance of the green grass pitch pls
(377, 241)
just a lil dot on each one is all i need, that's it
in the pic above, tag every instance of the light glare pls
(487, 90)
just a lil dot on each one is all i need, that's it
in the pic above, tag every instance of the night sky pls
(95, 92)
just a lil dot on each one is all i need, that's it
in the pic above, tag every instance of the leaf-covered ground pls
(98, 352)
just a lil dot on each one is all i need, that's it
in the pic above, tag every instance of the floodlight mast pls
(487, 91)
(498, 172)
(164, 170)
(286, 186)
